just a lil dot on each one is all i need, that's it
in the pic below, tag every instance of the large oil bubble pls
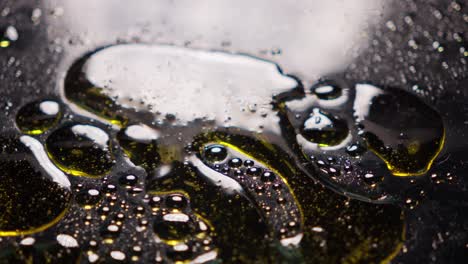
(177, 84)
(400, 128)
(34, 193)
(81, 150)
(359, 140)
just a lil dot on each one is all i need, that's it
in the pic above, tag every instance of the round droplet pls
(324, 129)
(129, 180)
(253, 171)
(235, 163)
(180, 252)
(67, 241)
(356, 149)
(249, 163)
(371, 178)
(37, 117)
(215, 153)
(80, 150)
(117, 255)
(88, 197)
(33, 193)
(176, 201)
(399, 128)
(140, 145)
(9, 36)
(327, 91)
(155, 201)
(268, 176)
(174, 226)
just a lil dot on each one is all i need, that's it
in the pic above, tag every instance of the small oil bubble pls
(327, 92)
(174, 226)
(324, 129)
(140, 144)
(215, 153)
(356, 149)
(37, 117)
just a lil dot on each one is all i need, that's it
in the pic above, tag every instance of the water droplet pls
(10, 35)
(67, 241)
(356, 149)
(88, 197)
(176, 201)
(327, 92)
(28, 241)
(235, 163)
(117, 255)
(37, 117)
(129, 180)
(215, 153)
(174, 226)
(80, 150)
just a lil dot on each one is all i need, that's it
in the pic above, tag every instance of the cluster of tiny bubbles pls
(269, 190)
(119, 221)
(184, 234)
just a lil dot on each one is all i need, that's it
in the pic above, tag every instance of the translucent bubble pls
(327, 91)
(400, 128)
(34, 194)
(324, 129)
(38, 117)
(215, 153)
(81, 150)
(140, 144)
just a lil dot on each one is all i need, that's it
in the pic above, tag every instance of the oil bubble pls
(37, 117)
(140, 144)
(399, 128)
(324, 129)
(327, 92)
(34, 194)
(80, 150)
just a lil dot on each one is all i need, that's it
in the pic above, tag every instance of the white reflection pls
(40, 154)
(315, 37)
